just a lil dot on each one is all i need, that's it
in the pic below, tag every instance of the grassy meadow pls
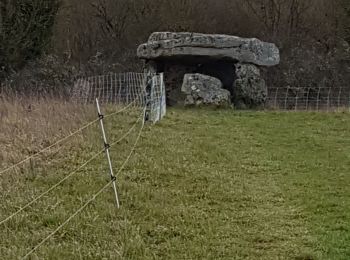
(202, 184)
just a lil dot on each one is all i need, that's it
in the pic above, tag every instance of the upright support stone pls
(250, 89)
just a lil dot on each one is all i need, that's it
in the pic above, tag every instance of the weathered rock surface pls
(250, 89)
(204, 90)
(165, 45)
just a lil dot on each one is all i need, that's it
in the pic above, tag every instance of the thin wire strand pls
(68, 220)
(49, 147)
(50, 160)
(51, 189)
(134, 146)
(120, 111)
(63, 139)
(89, 201)
(127, 133)
(68, 176)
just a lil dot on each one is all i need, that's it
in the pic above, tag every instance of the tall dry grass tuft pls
(29, 124)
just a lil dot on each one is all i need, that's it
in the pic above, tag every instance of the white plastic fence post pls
(107, 153)
(161, 97)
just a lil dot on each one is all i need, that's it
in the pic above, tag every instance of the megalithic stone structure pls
(225, 57)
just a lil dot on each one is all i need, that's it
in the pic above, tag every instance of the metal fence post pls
(328, 100)
(94, 84)
(285, 101)
(116, 88)
(161, 96)
(120, 93)
(318, 98)
(104, 85)
(99, 87)
(276, 98)
(307, 99)
(111, 87)
(339, 97)
(148, 96)
(127, 88)
(107, 147)
(90, 97)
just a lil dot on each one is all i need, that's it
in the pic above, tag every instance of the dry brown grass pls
(28, 125)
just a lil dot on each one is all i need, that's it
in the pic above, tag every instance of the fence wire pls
(21, 209)
(115, 88)
(94, 197)
(144, 92)
(313, 98)
(64, 139)
(123, 137)
(134, 89)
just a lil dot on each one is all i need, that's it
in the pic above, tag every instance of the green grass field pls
(203, 184)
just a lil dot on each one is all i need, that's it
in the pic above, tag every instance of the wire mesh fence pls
(67, 174)
(129, 96)
(124, 88)
(313, 98)
(138, 89)
(157, 99)
(117, 88)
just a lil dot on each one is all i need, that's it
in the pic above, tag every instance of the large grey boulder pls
(250, 88)
(204, 90)
(165, 45)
